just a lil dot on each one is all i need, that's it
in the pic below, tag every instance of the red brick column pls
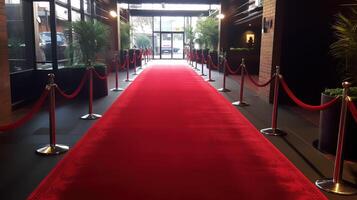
(270, 43)
(5, 90)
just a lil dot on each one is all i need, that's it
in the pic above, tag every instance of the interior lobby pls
(176, 100)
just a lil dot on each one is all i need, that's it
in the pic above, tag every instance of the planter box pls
(329, 123)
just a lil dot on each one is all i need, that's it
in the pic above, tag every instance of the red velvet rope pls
(124, 64)
(29, 115)
(211, 63)
(99, 76)
(78, 89)
(353, 110)
(230, 70)
(256, 83)
(304, 105)
(134, 57)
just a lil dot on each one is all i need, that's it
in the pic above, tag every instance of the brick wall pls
(269, 52)
(5, 95)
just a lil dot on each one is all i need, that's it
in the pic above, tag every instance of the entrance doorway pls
(170, 46)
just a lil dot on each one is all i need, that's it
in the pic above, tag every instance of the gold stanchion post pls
(52, 148)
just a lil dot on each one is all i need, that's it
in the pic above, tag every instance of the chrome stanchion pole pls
(274, 131)
(202, 61)
(336, 184)
(127, 69)
(224, 89)
(52, 148)
(241, 103)
(90, 115)
(116, 89)
(209, 64)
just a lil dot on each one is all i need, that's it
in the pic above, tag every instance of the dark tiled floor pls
(21, 169)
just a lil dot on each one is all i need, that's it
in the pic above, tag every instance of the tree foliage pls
(207, 32)
(125, 35)
(142, 41)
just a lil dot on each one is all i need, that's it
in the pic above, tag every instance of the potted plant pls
(90, 38)
(344, 49)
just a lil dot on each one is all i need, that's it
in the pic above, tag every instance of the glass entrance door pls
(166, 45)
(177, 45)
(171, 45)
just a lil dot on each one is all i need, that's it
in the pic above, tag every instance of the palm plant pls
(125, 35)
(90, 37)
(344, 48)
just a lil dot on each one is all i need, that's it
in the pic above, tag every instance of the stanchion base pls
(49, 150)
(240, 103)
(91, 116)
(223, 90)
(116, 89)
(343, 188)
(209, 80)
(128, 80)
(203, 75)
(273, 132)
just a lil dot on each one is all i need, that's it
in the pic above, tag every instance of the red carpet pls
(172, 136)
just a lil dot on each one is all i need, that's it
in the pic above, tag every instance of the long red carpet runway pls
(172, 136)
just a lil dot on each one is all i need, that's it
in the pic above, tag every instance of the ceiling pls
(171, 1)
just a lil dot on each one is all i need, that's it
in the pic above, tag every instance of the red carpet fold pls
(171, 136)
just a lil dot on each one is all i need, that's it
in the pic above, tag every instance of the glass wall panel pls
(43, 43)
(76, 4)
(16, 36)
(141, 32)
(156, 45)
(76, 16)
(172, 23)
(156, 23)
(65, 1)
(86, 6)
(63, 54)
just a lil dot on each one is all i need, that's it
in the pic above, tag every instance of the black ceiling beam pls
(167, 13)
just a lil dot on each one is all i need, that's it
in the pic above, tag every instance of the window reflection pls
(43, 42)
(63, 53)
(16, 36)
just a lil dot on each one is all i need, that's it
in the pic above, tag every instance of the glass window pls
(172, 23)
(62, 35)
(76, 4)
(43, 43)
(87, 18)
(156, 23)
(16, 36)
(64, 1)
(87, 8)
(76, 16)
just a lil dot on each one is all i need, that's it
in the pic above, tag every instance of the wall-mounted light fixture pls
(113, 14)
(220, 16)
